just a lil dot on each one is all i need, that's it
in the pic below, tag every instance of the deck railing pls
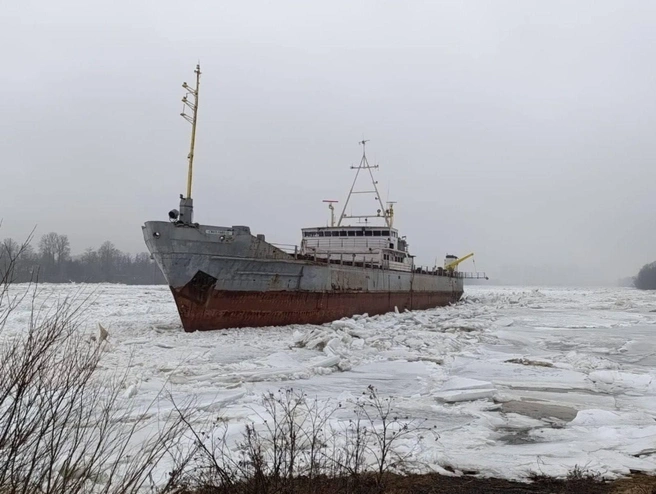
(450, 274)
(318, 257)
(288, 248)
(473, 276)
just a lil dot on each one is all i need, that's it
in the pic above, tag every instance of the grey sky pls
(520, 130)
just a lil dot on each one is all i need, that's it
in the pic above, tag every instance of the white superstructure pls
(374, 245)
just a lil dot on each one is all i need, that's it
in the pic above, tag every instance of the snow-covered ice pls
(516, 380)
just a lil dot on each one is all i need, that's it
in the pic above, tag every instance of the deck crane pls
(452, 265)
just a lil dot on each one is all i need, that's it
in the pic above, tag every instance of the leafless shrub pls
(293, 440)
(388, 428)
(316, 438)
(63, 429)
(209, 464)
(349, 454)
(370, 442)
(295, 445)
(288, 442)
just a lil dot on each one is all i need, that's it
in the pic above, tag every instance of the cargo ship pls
(227, 277)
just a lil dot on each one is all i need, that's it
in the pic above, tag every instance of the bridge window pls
(360, 233)
(321, 234)
(367, 233)
(335, 234)
(385, 233)
(351, 233)
(376, 233)
(342, 233)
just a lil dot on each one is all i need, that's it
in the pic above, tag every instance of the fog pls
(521, 131)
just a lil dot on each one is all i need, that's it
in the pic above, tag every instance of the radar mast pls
(387, 214)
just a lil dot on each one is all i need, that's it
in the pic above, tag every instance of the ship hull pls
(224, 309)
(224, 277)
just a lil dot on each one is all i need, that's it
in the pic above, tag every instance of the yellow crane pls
(454, 264)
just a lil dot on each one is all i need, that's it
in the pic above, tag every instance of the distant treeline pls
(52, 262)
(646, 279)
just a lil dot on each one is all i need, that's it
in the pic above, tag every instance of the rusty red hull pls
(214, 309)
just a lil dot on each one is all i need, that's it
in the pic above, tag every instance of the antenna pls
(332, 210)
(193, 106)
(364, 165)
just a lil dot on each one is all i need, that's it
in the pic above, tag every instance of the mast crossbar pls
(363, 216)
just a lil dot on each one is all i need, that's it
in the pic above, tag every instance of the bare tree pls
(646, 278)
(62, 249)
(55, 250)
(23, 260)
(108, 256)
(9, 250)
(48, 247)
(11, 247)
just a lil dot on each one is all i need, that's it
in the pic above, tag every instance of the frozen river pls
(516, 380)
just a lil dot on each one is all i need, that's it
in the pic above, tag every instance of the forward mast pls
(190, 102)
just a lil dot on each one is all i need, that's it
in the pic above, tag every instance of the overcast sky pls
(520, 130)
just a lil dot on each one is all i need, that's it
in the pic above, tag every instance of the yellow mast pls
(191, 119)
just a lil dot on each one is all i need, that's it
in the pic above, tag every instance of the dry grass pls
(426, 484)
(636, 484)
